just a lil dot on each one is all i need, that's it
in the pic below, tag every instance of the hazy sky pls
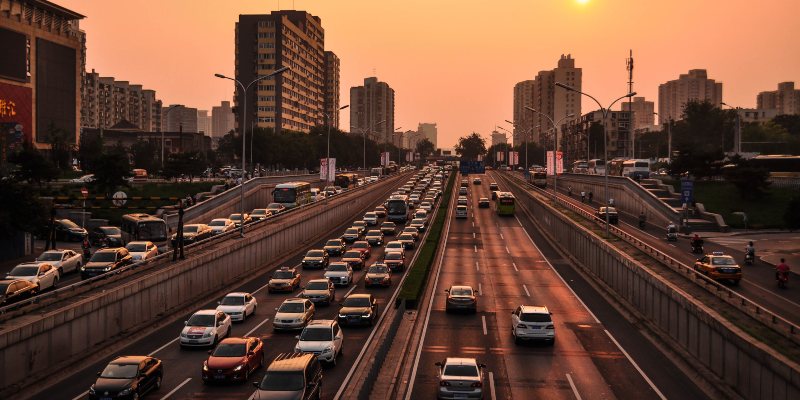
(455, 62)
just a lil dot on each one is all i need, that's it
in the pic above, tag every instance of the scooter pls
(697, 247)
(749, 257)
(782, 278)
(672, 235)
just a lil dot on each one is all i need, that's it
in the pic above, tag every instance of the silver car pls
(460, 378)
(64, 260)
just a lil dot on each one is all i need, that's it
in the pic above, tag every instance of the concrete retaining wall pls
(745, 366)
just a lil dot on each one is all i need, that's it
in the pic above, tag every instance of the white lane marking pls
(672, 245)
(491, 386)
(480, 290)
(476, 247)
(81, 396)
(483, 320)
(473, 224)
(507, 250)
(574, 388)
(477, 266)
(646, 378)
(513, 264)
(166, 396)
(473, 235)
(350, 291)
(256, 327)
(164, 346)
(526, 290)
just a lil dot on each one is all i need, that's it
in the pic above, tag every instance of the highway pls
(598, 354)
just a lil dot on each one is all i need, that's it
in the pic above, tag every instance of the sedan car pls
(361, 225)
(69, 231)
(142, 250)
(420, 223)
(237, 219)
(358, 308)
(193, 233)
(462, 200)
(105, 260)
(221, 225)
(412, 231)
(339, 273)
(460, 297)
(388, 228)
(374, 238)
(719, 266)
(395, 260)
(613, 217)
(378, 274)
(43, 275)
(370, 218)
(285, 279)
(63, 260)
(110, 236)
(380, 211)
(276, 208)
(322, 337)
(315, 259)
(426, 205)
(483, 202)
(461, 212)
(407, 240)
(205, 328)
(354, 258)
(239, 305)
(335, 247)
(476, 181)
(233, 360)
(493, 186)
(364, 247)
(260, 213)
(460, 378)
(13, 290)
(319, 291)
(532, 323)
(293, 314)
(351, 235)
(128, 377)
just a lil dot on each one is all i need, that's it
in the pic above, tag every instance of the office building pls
(643, 113)
(523, 96)
(372, 109)
(785, 100)
(428, 131)
(222, 119)
(332, 89)
(42, 59)
(203, 122)
(578, 144)
(499, 138)
(757, 115)
(694, 86)
(179, 118)
(105, 102)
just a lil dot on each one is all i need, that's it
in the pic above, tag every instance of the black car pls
(69, 231)
(105, 260)
(12, 290)
(358, 309)
(110, 236)
(315, 259)
(128, 377)
(193, 233)
(483, 202)
(335, 247)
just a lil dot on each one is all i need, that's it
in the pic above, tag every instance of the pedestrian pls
(583, 196)
(591, 195)
(611, 202)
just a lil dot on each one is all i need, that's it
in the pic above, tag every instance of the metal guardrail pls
(742, 303)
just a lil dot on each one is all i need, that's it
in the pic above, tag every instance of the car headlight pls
(342, 316)
(238, 368)
(83, 268)
(298, 320)
(328, 349)
(205, 366)
(205, 335)
(106, 269)
(125, 392)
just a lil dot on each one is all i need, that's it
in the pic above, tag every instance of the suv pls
(358, 308)
(291, 375)
(339, 273)
(322, 337)
(532, 323)
(461, 297)
(285, 279)
(105, 260)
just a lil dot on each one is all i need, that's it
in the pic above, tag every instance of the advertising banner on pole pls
(513, 158)
(559, 166)
(500, 157)
(385, 159)
(327, 168)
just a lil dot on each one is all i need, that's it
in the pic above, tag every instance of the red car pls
(233, 360)
(363, 247)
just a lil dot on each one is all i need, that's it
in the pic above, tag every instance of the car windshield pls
(136, 247)
(409, 230)
(370, 215)
(283, 275)
(230, 350)
(388, 225)
(333, 243)
(191, 228)
(351, 231)
(259, 212)
(103, 256)
(232, 301)
(394, 256)
(201, 320)
(111, 230)
(291, 308)
(280, 381)
(723, 261)
(315, 253)
(378, 269)
(352, 254)
(120, 371)
(405, 236)
(49, 257)
(356, 302)
(362, 245)
(24, 270)
(317, 286)
(337, 267)
(218, 222)
(535, 317)
(461, 292)
(316, 334)
(284, 195)
(276, 206)
(460, 370)
(235, 217)
(417, 221)
(374, 233)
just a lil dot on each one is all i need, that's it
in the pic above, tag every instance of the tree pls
(424, 148)
(61, 146)
(111, 169)
(792, 215)
(145, 155)
(789, 122)
(20, 209)
(751, 181)
(701, 138)
(90, 149)
(471, 146)
(491, 153)
(33, 167)
(185, 164)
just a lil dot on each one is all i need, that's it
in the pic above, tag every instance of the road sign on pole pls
(84, 193)
(119, 198)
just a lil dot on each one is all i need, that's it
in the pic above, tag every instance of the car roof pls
(535, 310)
(291, 362)
(140, 242)
(54, 251)
(234, 340)
(394, 243)
(359, 296)
(462, 287)
(461, 361)
(237, 294)
(128, 359)
(110, 250)
(320, 323)
(294, 300)
(326, 280)
(205, 312)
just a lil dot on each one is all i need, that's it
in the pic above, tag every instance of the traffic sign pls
(687, 191)
(119, 198)
(84, 193)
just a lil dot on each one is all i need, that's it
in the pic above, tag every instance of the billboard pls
(14, 47)
(327, 169)
(16, 107)
(559, 162)
(385, 159)
(56, 89)
(513, 158)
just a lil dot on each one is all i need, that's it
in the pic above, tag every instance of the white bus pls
(596, 167)
(397, 209)
(292, 194)
(145, 227)
(636, 168)
(579, 167)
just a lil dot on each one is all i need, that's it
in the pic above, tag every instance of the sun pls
(582, 1)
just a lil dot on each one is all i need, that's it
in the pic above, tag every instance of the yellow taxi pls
(719, 266)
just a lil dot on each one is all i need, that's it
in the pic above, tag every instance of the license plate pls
(105, 398)
(219, 376)
(459, 396)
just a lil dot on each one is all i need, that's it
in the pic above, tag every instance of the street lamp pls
(737, 141)
(555, 146)
(244, 124)
(525, 132)
(604, 110)
(328, 156)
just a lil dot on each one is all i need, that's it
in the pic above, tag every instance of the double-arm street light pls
(525, 132)
(737, 140)
(555, 145)
(364, 132)
(243, 125)
(328, 156)
(604, 110)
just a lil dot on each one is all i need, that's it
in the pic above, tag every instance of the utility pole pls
(630, 105)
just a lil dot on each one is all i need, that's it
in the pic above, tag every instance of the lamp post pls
(604, 110)
(737, 140)
(555, 146)
(242, 128)
(328, 156)
(163, 117)
(525, 132)
(364, 134)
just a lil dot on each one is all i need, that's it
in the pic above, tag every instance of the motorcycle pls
(672, 234)
(697, 247)
(782, 278)
(749, 257)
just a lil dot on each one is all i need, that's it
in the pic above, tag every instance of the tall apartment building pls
(369, 105)
(42, 59)
(499, 138)
(203, 122)
(643, 113)
(410, 139)
(106, 102)
(222, 119)
(694, 86)
(428, 131)
(332, 89)
(578, 145)
(786, 100)
(293, 100)
(179, 118)
(523, 96)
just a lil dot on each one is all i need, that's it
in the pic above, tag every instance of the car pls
(494, 194)
(291, 376)
(13, 290)
(358, 308)
(364, 247)
(106, 260)
(394, 245)
(378, 274)
(237, 219)
(461, 201)
(284, 279)
(380, 211)
(420, 223)
(69, 231)
(110, 236)
(322, 337)
(329, 191)
(426, 205)
(460, 378)
(370, 218)
(483, 202)
(493, 186)
(476, 181)
(239, 305)
(260, 213)
(293, 313)
(361, 225)
(41, 274)
(532, 323)
(205, 328)
(64, 260)
(396, 260)
(374, 237)
(317, 259)
(461, 297)
(613, 217)
(407, 240)
(412, 231)
(335, 247)
(319, 291)
(233, 360)
(719, 266)
(421, 214)
(462, 191)
(142, 250)
(351, 235)
(414, 199)
(89, 178)
(276, 208)
(339, 273)
(221, 225)
(193, 233)
(354, 258)
(128, 377)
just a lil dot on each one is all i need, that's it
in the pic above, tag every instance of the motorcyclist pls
(750, 250)
(569, 191)
(87, 247)
(642, 219)
(782, 270)
(583, 196)
(696, 241)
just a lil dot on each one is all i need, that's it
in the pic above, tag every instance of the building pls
(203, 122)
(428, 131)
(332, 89)
(785, 100)
(372, 109)
(499, 138)
(410, 139)
(42, 59)
(179, 118)
(523, 96)
(694, 86)
(222, 119)
(644, 116)
(293, 100)
(757, 115)
(126, 135)
(105, 102)
(577, 144)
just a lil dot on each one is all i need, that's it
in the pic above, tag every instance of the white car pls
(462, 200)
(322, 337)
(84, 179)
(461, 212)
(142, 250)
(426, 205)
(221, 225)
(394, 245)
(339, 273)
(293, 314)
(205, 328)
(238, 305)
(43, 275)
(460, 378)
(532, 323)
(63, 260)
(370, 218)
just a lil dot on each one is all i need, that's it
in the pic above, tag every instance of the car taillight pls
(444, 383)
(521, 326)
(549, 327)
(477, 384)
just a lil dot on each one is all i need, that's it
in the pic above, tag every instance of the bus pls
(397, 209)
(615, 166)
(540, 179)
(377, 172)
(345, 180)
(141, 226)
(292, 194)
(778, 165)
(579, 167)
(596, 166)
(505, 203)
(636, 168)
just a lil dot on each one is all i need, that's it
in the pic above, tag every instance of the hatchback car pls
(339, 273)
(462, 298)
(378, 274)
(43, 275)
(64, 260)
(364, 247)
(128, 377)
(358, 308)
(315, 259)
(293, 314)
(205, 328)
(532, 323)
(285, 279)
(396, 260)
(335, 247)
(13, 290)
(106, 260)
(239, 305)
(142, 250)
(460, 378)
(388, 228)
(233, 360)
(221, 225)
(483, 202)
(321, 337)
(374, 238)
(354, 258)
(319, 291)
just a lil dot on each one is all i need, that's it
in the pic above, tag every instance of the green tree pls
(792, 215)
(789, 122)
(20, 209)
(471, 146)
(701, 138)
(89, 151)
(111, 169)
(424, 148)
(751, 181)
(33, 167)
(185, 164)
(534, 151)
(61, 146)
(491, 154)
(145, 155)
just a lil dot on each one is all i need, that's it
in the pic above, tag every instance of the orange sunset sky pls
(455, 62)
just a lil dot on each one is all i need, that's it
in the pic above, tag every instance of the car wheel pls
(61, 270)
(55, 283)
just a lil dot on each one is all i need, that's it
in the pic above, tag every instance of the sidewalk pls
(771, 245)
